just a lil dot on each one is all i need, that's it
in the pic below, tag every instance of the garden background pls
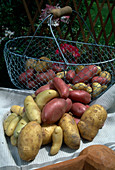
(21, 17)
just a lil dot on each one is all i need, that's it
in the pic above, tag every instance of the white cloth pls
(9, 158)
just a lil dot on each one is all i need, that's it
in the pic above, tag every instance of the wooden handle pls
(59, 12)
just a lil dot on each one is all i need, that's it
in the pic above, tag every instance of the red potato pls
(87, 106)
(100, 80)
(45, 87)
(69, 76)
(78, 109)
(26, 76)
(76, 120)
(85, 74)
(42, 88)
(45, 77)
(80, 96)
(69, 105)
(56, 68)
(61, 87)
(53, 110)
(31, 84)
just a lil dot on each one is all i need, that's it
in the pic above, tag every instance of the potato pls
(82, 86)
(57, 139)
(30, 63)
(78, 109)
(45, 76)
(70, 75)
(61, 87)
(47, 131)
(85, 74)
(80, 96)
(105, 74)
(26, 76)
(23, 121)
(100, 80)
(91, 121)
(70, 131)
(69, 105)
(12, 125)
(79, 68)
(99, 70)
(97, 89)
(17, 109)
(43, 65)
(8, 120)
(13, 140)
(61, 74)
(30, 141)
(45, 96)
(42, 88)
(53, 110)
(56, 68)
(31, 109)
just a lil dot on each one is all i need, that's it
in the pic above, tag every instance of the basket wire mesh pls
(25, 55)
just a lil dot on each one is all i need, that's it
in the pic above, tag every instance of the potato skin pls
(45, 76)
(69, 105)
(32, 110)
(29, 141)
(61, 87)
(47, 131)
(53, 110)
(70, 74)
(26, 76)
(85, 74)
(80, 96)
(43, 65)
(70, 131)
(91, 121)
(100, 80)
(78, 109)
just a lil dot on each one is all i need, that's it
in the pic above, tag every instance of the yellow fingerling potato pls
(32, 110)
(47, 131)
(70, 131)
(30, 141)
(89, 89)
(104, 87)
(99, 70)
(105, 74)
(82, 86)
(8, 120)
(24, 120)
(79, 68)
(97, 89)
(17, 109)
(91, 121)
(11, 127)
(13, 140)
(79, 86)
(61, 74)
(45, 96)
(57, 139)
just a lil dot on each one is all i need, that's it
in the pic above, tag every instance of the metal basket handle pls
(65, 11)
(59, 12)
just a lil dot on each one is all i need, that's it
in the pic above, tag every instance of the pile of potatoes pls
(90, 78)
(55, 114)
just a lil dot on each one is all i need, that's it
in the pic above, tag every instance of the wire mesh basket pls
(32, 61)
